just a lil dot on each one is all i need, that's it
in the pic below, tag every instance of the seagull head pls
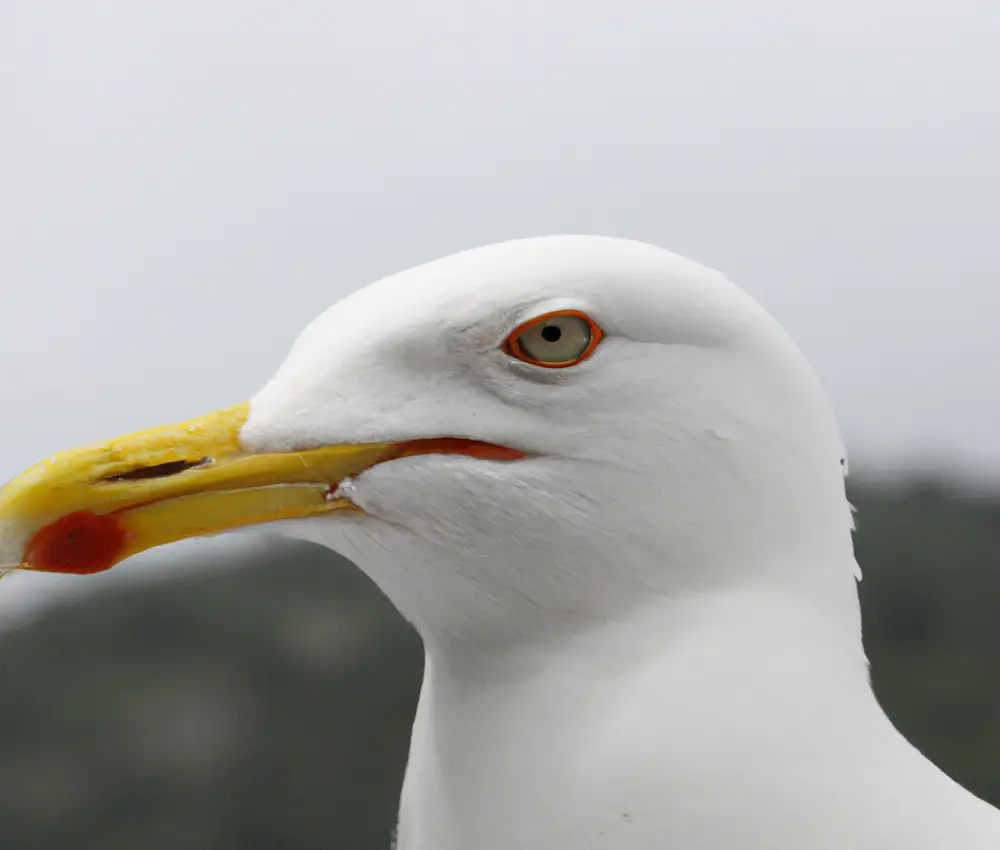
(519, 439)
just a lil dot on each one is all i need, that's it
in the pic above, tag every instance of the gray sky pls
(186, 184)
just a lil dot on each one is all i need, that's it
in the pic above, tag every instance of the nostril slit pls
(159, 470)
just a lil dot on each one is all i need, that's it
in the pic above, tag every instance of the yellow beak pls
(85, 510)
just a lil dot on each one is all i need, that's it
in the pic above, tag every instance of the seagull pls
(608, 491)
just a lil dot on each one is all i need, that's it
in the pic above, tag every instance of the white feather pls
(645, 635)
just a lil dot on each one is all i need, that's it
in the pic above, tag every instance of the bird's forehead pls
(634, 286)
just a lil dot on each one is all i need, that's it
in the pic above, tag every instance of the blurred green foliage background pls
(270, 707)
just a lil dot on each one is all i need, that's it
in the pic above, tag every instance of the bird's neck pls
(509, 748)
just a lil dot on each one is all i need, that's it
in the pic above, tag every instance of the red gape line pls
(84, 542)
(456, 446)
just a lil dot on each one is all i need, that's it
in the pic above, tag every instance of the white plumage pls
(646, 634)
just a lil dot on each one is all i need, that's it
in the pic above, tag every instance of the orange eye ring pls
(514, 346)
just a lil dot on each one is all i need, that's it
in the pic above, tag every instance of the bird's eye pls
(555, 340)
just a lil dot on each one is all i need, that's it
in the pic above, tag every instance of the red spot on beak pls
(82, 542)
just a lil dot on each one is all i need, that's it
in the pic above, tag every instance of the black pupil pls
(550, 333)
